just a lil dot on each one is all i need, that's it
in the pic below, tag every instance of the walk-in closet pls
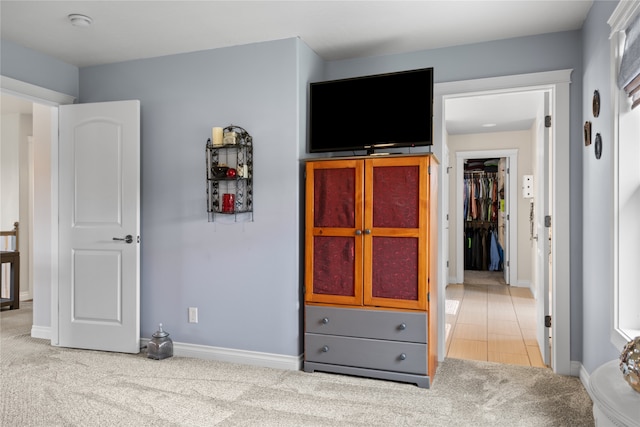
(483, 213)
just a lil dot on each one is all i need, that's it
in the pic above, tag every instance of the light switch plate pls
(527, 186)
(193, 314)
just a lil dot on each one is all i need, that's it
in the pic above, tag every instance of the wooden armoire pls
(370, 267)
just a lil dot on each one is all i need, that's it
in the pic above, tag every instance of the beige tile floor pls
(494, 323)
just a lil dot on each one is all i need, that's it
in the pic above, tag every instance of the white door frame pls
(557, 82)
(542, 204)
(511, 251)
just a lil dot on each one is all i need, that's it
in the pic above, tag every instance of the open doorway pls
(494, 320)
(17, 187)
(42, 224)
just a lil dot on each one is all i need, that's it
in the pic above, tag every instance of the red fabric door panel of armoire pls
(366, 232)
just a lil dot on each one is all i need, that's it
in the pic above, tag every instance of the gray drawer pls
(366, 353)
(378, 324)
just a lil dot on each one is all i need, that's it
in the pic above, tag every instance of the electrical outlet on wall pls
(193, 314)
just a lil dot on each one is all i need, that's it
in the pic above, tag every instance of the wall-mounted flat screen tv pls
(372, 112)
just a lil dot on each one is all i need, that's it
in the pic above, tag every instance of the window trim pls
(620, 19)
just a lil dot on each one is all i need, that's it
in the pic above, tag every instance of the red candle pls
(228, 201)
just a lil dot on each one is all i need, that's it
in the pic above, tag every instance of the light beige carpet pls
(48, 386)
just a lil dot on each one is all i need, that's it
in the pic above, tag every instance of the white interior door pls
(99, 226)
(444, 191)
(504, 218)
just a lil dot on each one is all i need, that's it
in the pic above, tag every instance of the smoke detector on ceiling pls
(79, 20)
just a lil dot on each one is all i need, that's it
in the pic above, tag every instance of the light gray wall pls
(33, 67)
(597, 212)
(243, 277)
(547, 52)
(498, 58)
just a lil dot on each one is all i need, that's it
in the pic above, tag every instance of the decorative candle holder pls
(228, 203)
(230, 138)
(217, 136)
(160, 346)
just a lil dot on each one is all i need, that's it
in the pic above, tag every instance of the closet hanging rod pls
(479, 173)
(481, 221)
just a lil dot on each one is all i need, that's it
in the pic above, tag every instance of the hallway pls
(491, 322)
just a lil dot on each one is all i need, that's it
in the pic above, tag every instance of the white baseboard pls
(42, 332)
(577, 370)
(255, 358)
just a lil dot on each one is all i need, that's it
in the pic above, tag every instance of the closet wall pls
(523, 141)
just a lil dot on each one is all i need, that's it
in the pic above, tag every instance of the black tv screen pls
(378, 111)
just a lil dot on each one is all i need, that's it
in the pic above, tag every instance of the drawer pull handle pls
(325, 320)
(402, 326)
(325, 348)
(402, 356)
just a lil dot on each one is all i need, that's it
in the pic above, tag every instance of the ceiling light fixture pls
(78, 20)
(489, 125)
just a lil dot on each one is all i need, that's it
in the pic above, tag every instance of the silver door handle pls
(127, 239)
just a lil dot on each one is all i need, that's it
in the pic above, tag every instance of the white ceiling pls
(503, 112)
(126, 30)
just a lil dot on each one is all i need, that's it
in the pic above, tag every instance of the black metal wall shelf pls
(230, 175)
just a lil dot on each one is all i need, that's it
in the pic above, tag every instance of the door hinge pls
(429, 169)
(547, 221)
(507, 217)
(428, 297)
(447, 264)
(507, 263)
(508, 170)
(547, 321)
(547, 121)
